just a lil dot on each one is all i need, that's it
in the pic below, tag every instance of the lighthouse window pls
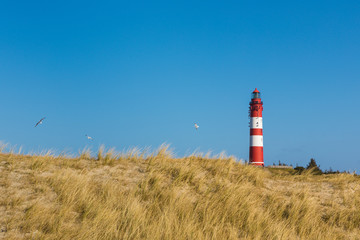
(255, 95)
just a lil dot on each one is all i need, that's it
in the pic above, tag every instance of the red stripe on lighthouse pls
(256, 132)
(256, 156)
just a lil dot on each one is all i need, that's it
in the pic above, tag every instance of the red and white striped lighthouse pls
(256, 156)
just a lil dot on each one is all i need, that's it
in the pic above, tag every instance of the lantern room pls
(255, 94)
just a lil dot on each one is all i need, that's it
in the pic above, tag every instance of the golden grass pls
(156, 196)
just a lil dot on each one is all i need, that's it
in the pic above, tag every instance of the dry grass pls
(156, 196)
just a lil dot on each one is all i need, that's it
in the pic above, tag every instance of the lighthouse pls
(256, 155)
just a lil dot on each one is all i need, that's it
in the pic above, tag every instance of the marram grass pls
(157, 196)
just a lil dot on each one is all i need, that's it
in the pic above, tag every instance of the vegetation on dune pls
(156, 196)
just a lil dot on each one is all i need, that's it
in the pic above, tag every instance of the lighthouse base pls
(260, 164)
(256, 156)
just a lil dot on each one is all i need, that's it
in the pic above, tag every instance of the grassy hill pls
(133, 196)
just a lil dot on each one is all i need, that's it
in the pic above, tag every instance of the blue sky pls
(140, 73)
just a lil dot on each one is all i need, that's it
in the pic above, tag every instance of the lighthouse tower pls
(256, 156)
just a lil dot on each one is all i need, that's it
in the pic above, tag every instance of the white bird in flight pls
(40, 122)
(196, 126)
(88, 137)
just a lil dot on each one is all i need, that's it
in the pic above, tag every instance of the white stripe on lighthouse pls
(256, 122)
(256, 141)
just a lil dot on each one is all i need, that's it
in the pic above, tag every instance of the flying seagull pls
(196, 126)
(88, 137)
(40, 122)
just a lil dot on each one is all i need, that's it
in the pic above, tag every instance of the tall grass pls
(137, 195)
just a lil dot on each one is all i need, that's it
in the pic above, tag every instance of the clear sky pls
(140, 73)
